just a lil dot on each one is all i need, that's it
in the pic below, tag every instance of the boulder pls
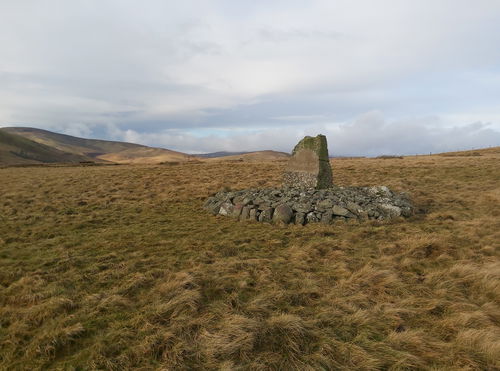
(282, 213)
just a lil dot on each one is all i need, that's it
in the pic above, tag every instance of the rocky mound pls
(299, 206)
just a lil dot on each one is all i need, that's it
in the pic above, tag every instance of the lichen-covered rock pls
(309, 166)
(290, 205)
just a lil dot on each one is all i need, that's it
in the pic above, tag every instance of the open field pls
(119, 267)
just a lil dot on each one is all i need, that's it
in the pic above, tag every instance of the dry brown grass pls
(119, 267)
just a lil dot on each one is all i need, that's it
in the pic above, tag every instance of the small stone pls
(354, 208)
(283, 213)
(266, 215)
(237, 211)
(245, 213)
(327, 217)
(302, 207)
(226, 208)
(339, 210)
(214, 207)
(324, 204)
(254, 214)
(390, 211)
(300, 218)
(312, 217)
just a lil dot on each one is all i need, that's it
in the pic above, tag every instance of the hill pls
(100, 150)
(68, 143)
(258, 156)
(18, 150)
(219, 154)
(146, 155)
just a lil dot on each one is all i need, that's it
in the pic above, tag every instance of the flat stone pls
(309, 166)
(339, 210)
(324, 204)
(302, 207)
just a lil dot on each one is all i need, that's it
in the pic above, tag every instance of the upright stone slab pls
(309, 166)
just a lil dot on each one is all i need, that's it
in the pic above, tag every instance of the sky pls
(376, 77)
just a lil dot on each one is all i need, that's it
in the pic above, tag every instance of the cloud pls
(370, 134)
(189, 67)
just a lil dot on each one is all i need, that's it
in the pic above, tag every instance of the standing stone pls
(309, 166)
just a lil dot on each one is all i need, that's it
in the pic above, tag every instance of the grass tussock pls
(120, 268)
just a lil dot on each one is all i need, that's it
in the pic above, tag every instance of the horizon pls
(331, 155)
(392, 78)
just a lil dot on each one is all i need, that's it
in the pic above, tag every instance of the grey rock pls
(327, 217)
(300, 218)
(283, 213)
(312, 217)
(302, 207)
(390, 211)
(254, 214)
(324, 204)
(237, 211)
(245, 213)
(266, 215)
(340, 211)
(226, 208)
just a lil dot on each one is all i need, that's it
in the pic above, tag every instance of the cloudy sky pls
(377, 77)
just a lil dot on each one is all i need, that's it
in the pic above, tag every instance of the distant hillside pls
(472, 152)
(220, 154)
(253, 156)
(67, 143)
(146, 155)
(99, 150)
(18, 150)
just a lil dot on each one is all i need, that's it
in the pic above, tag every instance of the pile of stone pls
(308, 194)
(289, 205)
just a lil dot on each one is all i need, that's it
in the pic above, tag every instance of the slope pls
(18, 150)
(96, 149)
(258, 156)
(146, 155)
(71, 144)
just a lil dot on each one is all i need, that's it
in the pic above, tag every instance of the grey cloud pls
(370, 134)
(179, 67)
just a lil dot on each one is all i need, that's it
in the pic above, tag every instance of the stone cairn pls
(308, 195)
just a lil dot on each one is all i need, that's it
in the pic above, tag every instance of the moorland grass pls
(120, 268)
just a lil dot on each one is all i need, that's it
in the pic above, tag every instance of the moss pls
(317, 144)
